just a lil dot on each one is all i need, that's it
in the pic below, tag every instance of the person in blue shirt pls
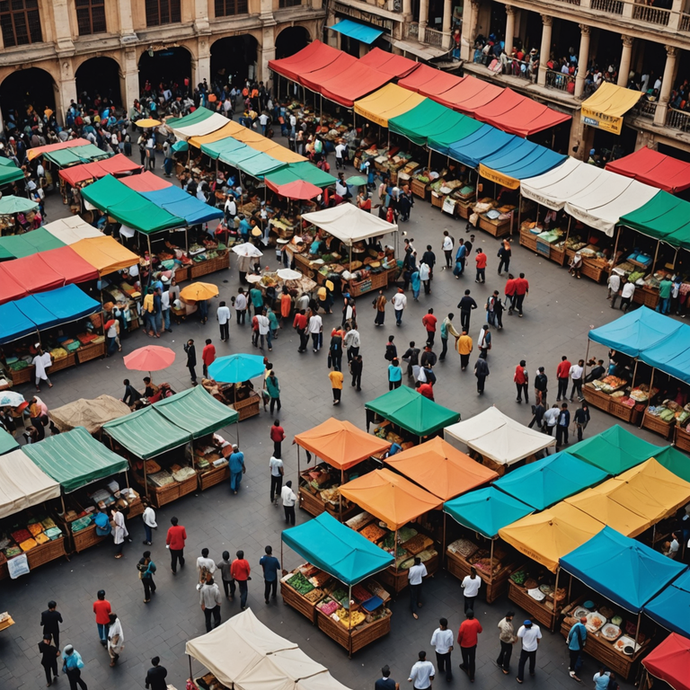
(315, 246)
(416, 284)
(245, 227)
(460, 256)
(394, 374)
(71, 666)
(271, 566)
(236, 463)
(576, 643)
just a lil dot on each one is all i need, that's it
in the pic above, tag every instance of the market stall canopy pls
(360, 32)
(394, 65)
(671, 355)
(390, 497)
(440, 468)
(300, 171)
(430, 81)
(674, 461)
(468, 94)
(146, 433)
(654, 168)
(106, 254)
(71, 230)
(90, 414)
(23, 484)
(60, 146)
(670, 661)
(299, 189)
(542, 483)
(671, 608)
(202, 121)
(148, 123)
(75, 459)
(340, 443)
(349, 223)
(664, 217)
(336, 549)
(196, 411)
(145, 182)
(479, 145)
(548, 536)
(66, 304)
(623, 570)
(7, 441)
(388, 102)
(14, 323)
(606, 107)
(119, 164)
(33, 274)
(635, 332)
(313, 57)
(10, 204)
(236, 368)
(486, 511)
(412, 411)
(76, 156)
(9, 172)
(497, 436)
(178, 203)
(315, 77)
(67, 263)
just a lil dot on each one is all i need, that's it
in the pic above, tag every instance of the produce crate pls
(658, 426)
(249, 407)
(182, 274)
(44, 553)
(210, 266)
(420, 189)
(682, 439)
(497, 228)
(355, 639)
(310, 502)
(437, 199)
(86, 538)
(188, 486)
(492, 588)
(621, 411)
(161, 495)
(464, 208)
(23, 375)
(63, 363)
(528, 239)
(596, 398)
(298, 602)
(536, 610)
(210, 478)
(88, 352)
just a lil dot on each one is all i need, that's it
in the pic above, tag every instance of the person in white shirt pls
(399, 302)
(263, 121)
(627, 293)
(530, 634)
(288, 497)
(351, 342)
(551, 418)
(442, 642)
(470, 588)
(614, 286)
(41, 362)
(576, 372)
(165, 308)
(447, 247)
(415, 576)
(241, 307)
(149, 519)
(223, 316)
(264, 330)
(340, 151)
(230, 209)
(205, 567)
(315, 327)
(422, 673)
(277, 470)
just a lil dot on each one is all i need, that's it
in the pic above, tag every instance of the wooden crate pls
(596, 398)
(355, 639)
(210, 266)
(88, 352)
(497, 228)
(375, 281)
(182, 274)
(160, 496)
(535, 610)
(558, 255)
(44, 553)
(249, 407)
(188, 486)
(86, 538)
(463, 208)
(657, 425)
(420, 189)
(621, 411)
(528, 239)
(298, 602)
(681, 439)
(23, 375)
(310, 502)
(63, 363)
(210, 478)
(437, 199)
(492, 588)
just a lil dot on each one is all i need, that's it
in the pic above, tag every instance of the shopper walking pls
(464, 347)
(289, 499)
(49, 657)
(240, 571)
(101, 607)
(415, 576)
(530, 634)
(399, 302)
(208, 356)
(223, 316)
(576, 643)
(484, 341)
(562, 374)
(504, 254)
(175, 541)
(190, 349)
(576, 373)
(447, 328)
(481, 371)
(273, 390)
(521, 379)
(380, 308)
(210, 601)
(541, 384)
(72, 665)
(351, 342)
(275, 465)
(148, 517)
(356, 367)
(447, 247)
(506, 638)
(50, 620)
(562, 426)
(422, 673)
(480, 260)
(225, 566)
(386, 682)
(581, 419)
(429, 323)
(147, 569)
(471, 585)
(336, 378)
(271, 567)
(470, 628)
(335, 350)
(241, 305)
(237, 468)
(521, 290)
(155, 676)
(442, 642)
(120, 532)
(394, 375)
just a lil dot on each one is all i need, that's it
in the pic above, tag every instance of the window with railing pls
(645, 109)
(433, 37)
(90, 16)
(684, 24)
(229, 8)
(560, 81)
(20, 22)
(651, 15)
(610, 6)
(678, 119)
(289, 3)
(161, 12)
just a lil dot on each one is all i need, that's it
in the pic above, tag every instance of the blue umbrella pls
(236, 368)
(11, 399)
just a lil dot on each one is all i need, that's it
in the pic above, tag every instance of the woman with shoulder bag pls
(147, 568)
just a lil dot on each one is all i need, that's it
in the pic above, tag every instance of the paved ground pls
(558, 313)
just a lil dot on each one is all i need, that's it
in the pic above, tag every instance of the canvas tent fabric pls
(412, 411)
(90, 414)
(394, 65)
(315, 77)
(40, 150)
(441, 469)
(663, 217)
(207, 121)
(180, 204)
(336, 549)
(76, 156)
(671, 355)
(105, 254)
(671, 609)
(145, 182)
(7, 441)
(548, 536)
(674, 461)
(386, 103)
(486, 510)
(300, 171)
(32, 242)
(360, 32)
(75, 459)
(483, 143)
(33, 274)
(430, 81)
(9, 172)
(10, 289)
(349, 223)
(654, 168)
(14, 323)
(23, 484)
(623, 570)
(352, 83)
(67, 303)
(69, 264)
(670, 661)
(313, 57)
(71, 230)
(390, 497)
(340, 443)
(118, 164)
(497, 436)
(605, 108)
(468, 95)
(547, 481)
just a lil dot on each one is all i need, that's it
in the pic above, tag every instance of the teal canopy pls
(304, 170)
(671, 607)
(360, 32)
(674, 461)
(236, 368)
(337, 549)
(9, 172)
(441, 140)
(542, 483)
(7, 442)
(63, 158)
(28, 243)
(671, 355)
(486, 511)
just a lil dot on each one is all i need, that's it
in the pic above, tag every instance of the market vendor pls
(316, 246)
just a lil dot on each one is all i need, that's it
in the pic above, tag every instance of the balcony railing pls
(558, 80)
(645, 109)
(412, 30)
(610, 6)
(684, 24)
(433, 37)
(678, 119)
(651, 15)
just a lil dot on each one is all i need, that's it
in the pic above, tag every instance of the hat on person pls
(68, 649)
(527, 623)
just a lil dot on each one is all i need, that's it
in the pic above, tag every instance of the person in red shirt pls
(510, 293)
(426, 389)
(562, 374)
(429, 322)
(300, 325)
(101, 607)
(480, 260)
(240, 571)
(521, 379)
(277, 436)
(175, 542)
(467, 639)
(521, 289)
(208, 355)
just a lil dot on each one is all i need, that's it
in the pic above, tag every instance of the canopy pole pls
(675, 258)
(656, 253)
(395, 551)
(321, 109)
(148, 237)
(428, 165)
(349, 621)
(637, 631)
(298, 470)
(340, 496)
(491, 561)
(237, 424)
(586, 358)
(555, 593)
(651, 384)
(146, 484)
(520, 211)
(615, 246)
(637, 361)
(190, 667)
(443, 542)
(62, 499)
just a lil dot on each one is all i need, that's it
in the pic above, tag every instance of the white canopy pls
(497, 436)
(245, 654)
(349, 223)
(200, 129)
(22, 484)
(72, 229)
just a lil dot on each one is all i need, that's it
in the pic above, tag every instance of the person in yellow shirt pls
(464, 347)
(336, 378)
(149, 315)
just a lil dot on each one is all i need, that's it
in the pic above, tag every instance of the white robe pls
(116, 638)
(119, 529)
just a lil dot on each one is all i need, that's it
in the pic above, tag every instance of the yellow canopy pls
(386, 103)
(548, 536)
(607, 105)
(498, 177)
(105, 254)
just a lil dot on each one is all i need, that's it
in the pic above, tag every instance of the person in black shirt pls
(466, 305)
(386, 682)
(49, 657)
(356, 371)
(411, 356)
(581, 419)
(131, 394)
(50, 620)
(429, 258)
(190, 349)
(597, 372)
(428, 357)
(155, 676)
(541, 382)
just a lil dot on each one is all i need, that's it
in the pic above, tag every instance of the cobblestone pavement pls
(559, 311)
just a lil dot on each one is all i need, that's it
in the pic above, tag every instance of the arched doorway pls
(233, 60)
(25, 90)
(99, 77)
(291, 41)
(171, 66)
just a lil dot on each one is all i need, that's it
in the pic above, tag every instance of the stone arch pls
(169, 64)
(30, 87)
(291, 40)
(234, 59)
(99, 75)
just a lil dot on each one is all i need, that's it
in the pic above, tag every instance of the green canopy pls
(196, 411)
(63, 158)
(412, 411)
(74, 459)
(16, 204)
(260, 165)
(304, 170)
(27, 244)
(674, 461)
(199, 115)
(146, 433)
(441, 139)
(664, 217)
(222, 149)
(7, 442)
(9, 172)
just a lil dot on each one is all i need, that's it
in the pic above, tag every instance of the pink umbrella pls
(150, 358)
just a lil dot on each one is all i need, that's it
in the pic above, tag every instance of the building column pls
(670, 69)
(127, 34)
(447, 23)
(545, 50)
(129, 78)
(510, 29)
(626, 58)
(63, 33)
(469, 25)
(407, 11)
(582, 60)
(67, 88)
(203, 61)
(423, 18)
(201, 17)
(266, 52)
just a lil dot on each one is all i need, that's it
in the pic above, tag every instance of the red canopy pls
(34, 274)
(314, 57)
(468, 95)
(317, 76)
(430, 81)
(70, 265)
(10, 288)
(117, 165)
(145, 182)
(353, 83)
(299, 189)
(670, 662)
(654, 168)
(387, 63)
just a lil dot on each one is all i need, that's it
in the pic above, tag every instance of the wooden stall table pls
(85, 538)
(6, 621)
(537, 610)
(419, 189)
(24, 375)
(681, 438)
(649, 297)
(63, 363)
(202, 268)
(182, 274)
(625, 412)
(217, 475)
(528, 239)
(596, 398)
(249, 407)
(594, 269)
(657, 425)
(160, 496)
(300, 602)
(88, 352)
(495, 227)
(357, 638)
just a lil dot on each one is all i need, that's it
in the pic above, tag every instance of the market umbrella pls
(199, 291)
(11, 399)
(247, 249)
(150, 358)
(147, 123)
(15, 204)
(298, 189)
(236, 368)
(356, 181)
(288, 274)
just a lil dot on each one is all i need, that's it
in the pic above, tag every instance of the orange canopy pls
(441, 469)
(340, 444)
(390, 497)
(48, 148)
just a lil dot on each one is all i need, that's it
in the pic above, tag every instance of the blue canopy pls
(34, 310)
(671, 608)
(621, 569)
(336, 549)
(14, 323)
(236, 368)
(523, 159)
(486, 510)
(485, 142)
(672, 354)
(361, 32)
(549, 480)
(67, 303)
(635, 332)
(182, 205)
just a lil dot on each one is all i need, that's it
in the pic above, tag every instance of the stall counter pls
(546, 611)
